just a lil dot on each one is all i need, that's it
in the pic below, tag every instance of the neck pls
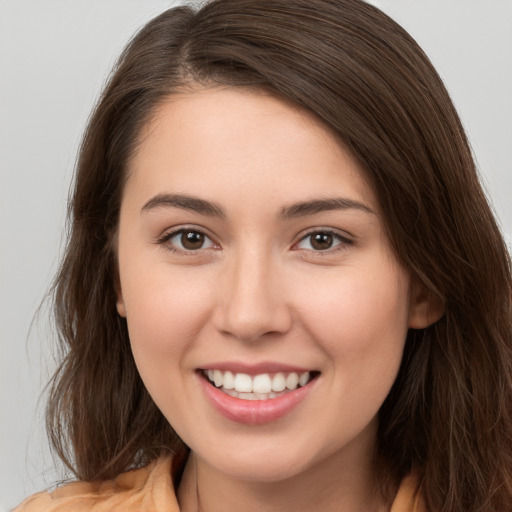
(342, 482)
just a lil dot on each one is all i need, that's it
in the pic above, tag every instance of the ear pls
(121, 309)
(426, 308)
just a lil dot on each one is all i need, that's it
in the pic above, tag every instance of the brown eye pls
(192, 240)
(187, 240)
(319, 241)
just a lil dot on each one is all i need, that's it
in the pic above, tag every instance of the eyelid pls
(170, 233)
(343, 237)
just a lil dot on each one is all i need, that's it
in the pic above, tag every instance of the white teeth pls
(217, 378)
(252, 396)
(243, 383)
(257, 387)
(292, 380)
(278, 382)
(229, 381)
(262, 383)
(304, 378)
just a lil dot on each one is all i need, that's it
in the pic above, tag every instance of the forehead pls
(214, 138)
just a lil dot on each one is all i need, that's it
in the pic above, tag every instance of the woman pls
(284, 287)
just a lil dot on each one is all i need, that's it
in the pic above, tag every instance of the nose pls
(252, 301)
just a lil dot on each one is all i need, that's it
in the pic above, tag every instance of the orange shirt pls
(150, 489)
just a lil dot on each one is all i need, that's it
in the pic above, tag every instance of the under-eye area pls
(264, 386)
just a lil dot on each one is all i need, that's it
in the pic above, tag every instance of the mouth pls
(263, 386)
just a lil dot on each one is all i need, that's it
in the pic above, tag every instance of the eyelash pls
(342, 241)
(167, 237)
(342, 244)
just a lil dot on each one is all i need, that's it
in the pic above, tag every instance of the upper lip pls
(255, 368)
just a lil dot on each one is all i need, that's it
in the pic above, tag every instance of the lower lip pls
(254, 412)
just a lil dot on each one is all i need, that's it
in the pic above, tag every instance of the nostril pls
(253, 326)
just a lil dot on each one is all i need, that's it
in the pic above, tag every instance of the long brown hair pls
(449, 414)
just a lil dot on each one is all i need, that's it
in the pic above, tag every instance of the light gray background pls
(54, 58)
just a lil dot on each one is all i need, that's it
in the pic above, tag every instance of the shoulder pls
(148, 489)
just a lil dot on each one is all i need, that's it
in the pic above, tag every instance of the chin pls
(265, 461)
(262, 469)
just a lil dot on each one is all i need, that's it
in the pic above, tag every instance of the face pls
(267, 314)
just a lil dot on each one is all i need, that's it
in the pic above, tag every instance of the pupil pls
(192, 240)
(321, 241)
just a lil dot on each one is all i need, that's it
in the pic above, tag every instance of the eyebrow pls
(184, 202)
(211, 209)
(322, 205)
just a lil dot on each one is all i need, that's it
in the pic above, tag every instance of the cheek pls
(359, 318)
(165, 310)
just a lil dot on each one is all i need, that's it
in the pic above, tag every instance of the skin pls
(258, 290)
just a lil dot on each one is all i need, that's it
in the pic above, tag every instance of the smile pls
(253, 396)
(263, 386)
